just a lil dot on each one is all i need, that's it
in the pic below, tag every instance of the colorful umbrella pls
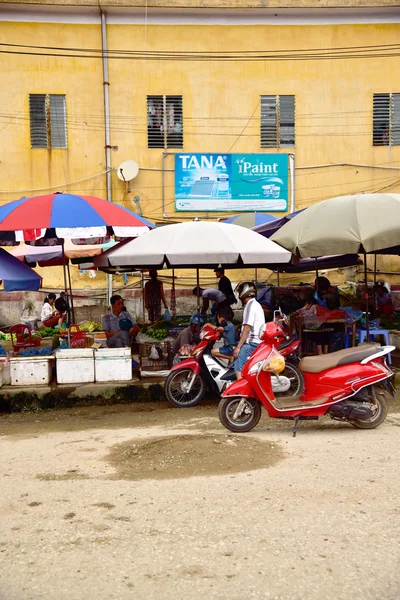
(17, 276)
(250, 220)
(67, 216)
(51, 256)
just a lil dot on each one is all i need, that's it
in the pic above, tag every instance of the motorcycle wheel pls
(296, 381)
(248, 418)
(175, 385)
(376, 402)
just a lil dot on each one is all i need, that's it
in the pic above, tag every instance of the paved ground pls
(150, 502)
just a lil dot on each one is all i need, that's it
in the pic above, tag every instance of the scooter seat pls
(317, 364)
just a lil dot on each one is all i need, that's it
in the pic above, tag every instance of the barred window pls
(386, 120)
(48, 120)
(277, 121)
(164, 122)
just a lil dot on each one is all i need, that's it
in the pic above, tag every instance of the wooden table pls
(297, 325)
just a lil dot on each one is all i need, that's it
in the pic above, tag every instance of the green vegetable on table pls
(157, 333)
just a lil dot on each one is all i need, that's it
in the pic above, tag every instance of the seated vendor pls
(116, 325)
(190, 335)
(49, 316)
(384, 302)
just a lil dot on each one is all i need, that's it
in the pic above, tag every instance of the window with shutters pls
(164, 122)
(386, 120)
(277, 121)
(48, 119)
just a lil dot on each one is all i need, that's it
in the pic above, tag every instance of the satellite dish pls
(127, 170)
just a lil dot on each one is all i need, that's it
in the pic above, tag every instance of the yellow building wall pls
(220, 107)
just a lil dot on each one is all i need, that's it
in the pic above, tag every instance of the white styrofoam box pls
(31, 370)
(394, 339)
(75, 365)
(113, 364)
(6, 372)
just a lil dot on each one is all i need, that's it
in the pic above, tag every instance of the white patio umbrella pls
(194, 244)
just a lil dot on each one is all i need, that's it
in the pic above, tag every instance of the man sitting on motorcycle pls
(226, 328)
(253, 320)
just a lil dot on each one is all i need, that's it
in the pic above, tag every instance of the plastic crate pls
(149, 364)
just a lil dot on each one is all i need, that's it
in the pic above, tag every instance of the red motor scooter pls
(350, 385)
(189, 380)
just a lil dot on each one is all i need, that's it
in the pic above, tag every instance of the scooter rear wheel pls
(250, 414)
(176, 388)
(377, 403)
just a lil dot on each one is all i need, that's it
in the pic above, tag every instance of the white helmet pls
(245, 290)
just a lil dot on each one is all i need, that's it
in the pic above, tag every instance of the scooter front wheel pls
(239, 414)
(184, 388)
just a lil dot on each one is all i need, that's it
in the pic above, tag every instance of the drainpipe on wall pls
(292, 184)
(164, 154)
(106, 125)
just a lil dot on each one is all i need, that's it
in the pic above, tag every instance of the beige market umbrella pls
(363, 223)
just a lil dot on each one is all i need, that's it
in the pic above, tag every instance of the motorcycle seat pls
(285, 344)
(317, 364)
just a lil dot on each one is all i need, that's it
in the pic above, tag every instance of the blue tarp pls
(16, 276)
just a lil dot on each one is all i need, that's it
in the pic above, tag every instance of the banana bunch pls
(90, 326)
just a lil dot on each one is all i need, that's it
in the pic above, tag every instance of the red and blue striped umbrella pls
(67, 216)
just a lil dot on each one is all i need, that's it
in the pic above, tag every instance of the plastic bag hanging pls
(274, 362)
(154, 354)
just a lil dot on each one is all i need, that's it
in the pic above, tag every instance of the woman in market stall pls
(49, 316)
(153, 296)
(384, 302)
(327, 296)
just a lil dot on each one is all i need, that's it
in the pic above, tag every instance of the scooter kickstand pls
(296, 422)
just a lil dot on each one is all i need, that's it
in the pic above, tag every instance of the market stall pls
(47, 221)
(195, 244)
(362, 224)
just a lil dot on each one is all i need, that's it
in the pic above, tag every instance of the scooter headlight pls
(256, 367)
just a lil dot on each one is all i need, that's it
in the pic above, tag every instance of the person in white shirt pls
(253, 320)
(49, 316)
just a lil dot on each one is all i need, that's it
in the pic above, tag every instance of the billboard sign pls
(231, 182)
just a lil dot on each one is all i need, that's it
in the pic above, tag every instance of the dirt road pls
(150, 502)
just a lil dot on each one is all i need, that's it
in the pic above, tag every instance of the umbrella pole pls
(279, 285)
(374, 296)
(70, 294)
(143, 306)
(198, 297)
(66, 293)
(173, 296)
(255, 277)
(366, 294)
